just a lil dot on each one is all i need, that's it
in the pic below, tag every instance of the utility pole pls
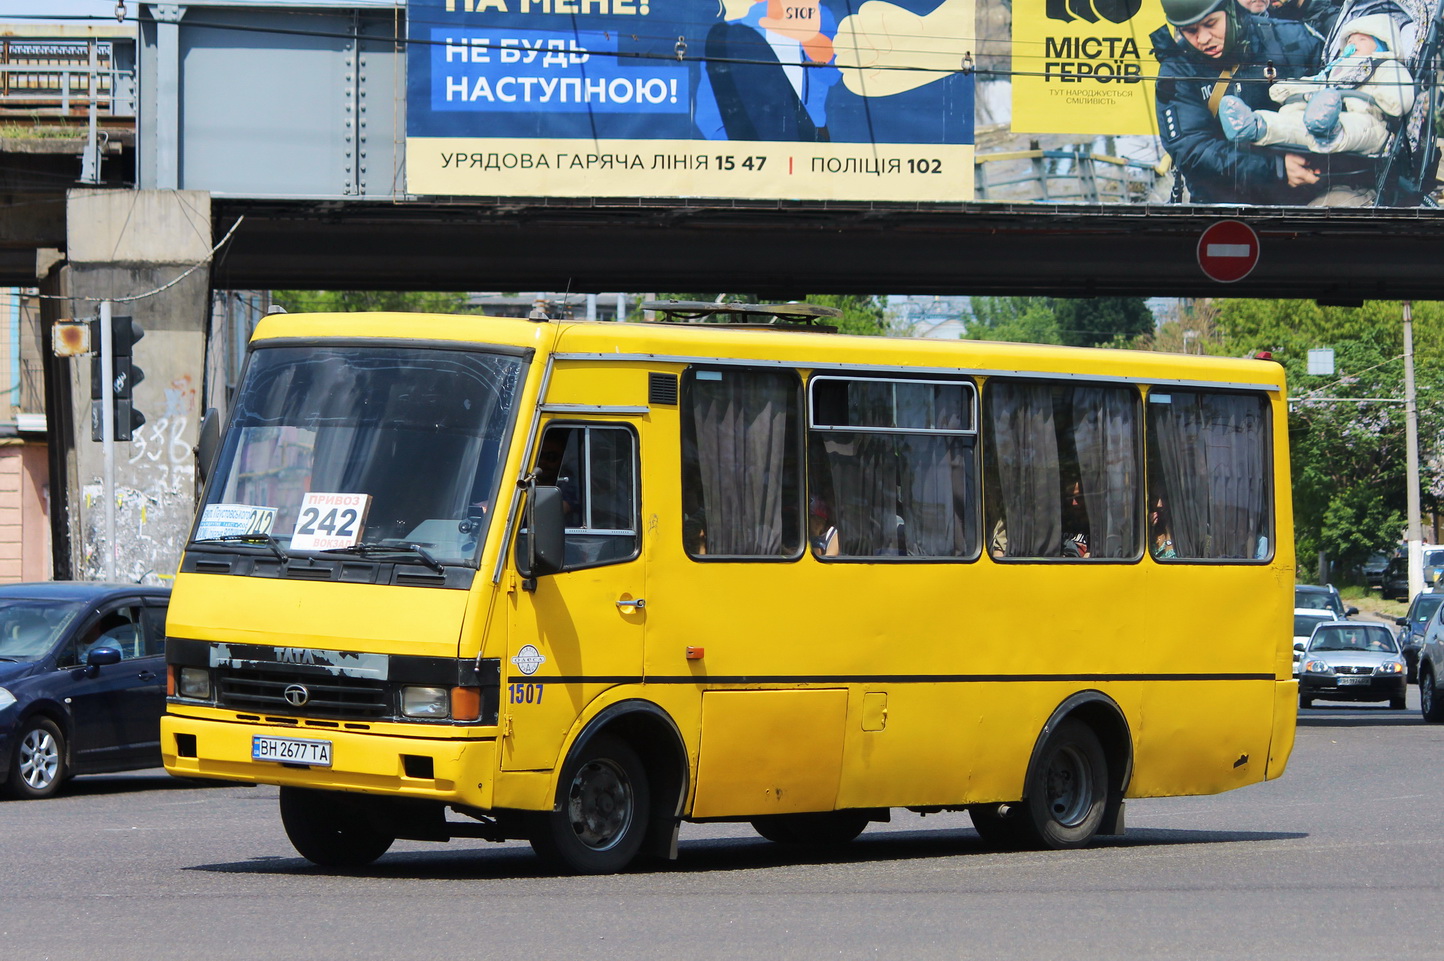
(107, 433)
(1411, 429)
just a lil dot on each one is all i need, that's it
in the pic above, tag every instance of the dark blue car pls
(82, 682)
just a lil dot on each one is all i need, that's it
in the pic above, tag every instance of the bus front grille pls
(330, 696)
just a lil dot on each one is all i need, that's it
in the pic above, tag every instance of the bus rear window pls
(1209, 487)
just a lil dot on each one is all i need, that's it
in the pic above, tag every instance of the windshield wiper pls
(377, 550)
(265, 539)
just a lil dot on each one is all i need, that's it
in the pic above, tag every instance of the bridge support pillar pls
(147, 252)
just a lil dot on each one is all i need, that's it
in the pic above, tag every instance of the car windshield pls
(1434, 559)
(29, 628)
(1424, 607)
(364, 449)
(1352, 637)
(1317, 600)
(1304, 624)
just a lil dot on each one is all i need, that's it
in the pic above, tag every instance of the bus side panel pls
(1286, 716)
(1202, 737)
(751, 742)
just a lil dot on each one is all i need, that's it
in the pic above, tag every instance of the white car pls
(1305, 620)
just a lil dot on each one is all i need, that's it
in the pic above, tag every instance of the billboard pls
(1260, 102)
(778, 99)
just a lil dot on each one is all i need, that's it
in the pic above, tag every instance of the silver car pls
(1349, 661)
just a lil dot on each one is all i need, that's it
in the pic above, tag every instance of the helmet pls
(1185, 13)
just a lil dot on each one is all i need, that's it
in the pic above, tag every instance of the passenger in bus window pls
(694, 536)
(555, 469)
(998, 542)
(1161, 538)
(1075, 522)
(821, 533)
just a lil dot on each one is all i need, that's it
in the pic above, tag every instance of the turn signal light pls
(465, 703)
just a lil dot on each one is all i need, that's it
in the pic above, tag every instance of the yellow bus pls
(578, 582)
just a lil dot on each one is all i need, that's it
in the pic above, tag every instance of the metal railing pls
(47, 79)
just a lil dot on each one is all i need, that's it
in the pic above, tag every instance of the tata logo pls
(528, 659)
(296, 695)
(1114, 11)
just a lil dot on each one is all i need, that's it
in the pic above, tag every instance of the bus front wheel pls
(1068, 788)
(600, 818)
(330, 829)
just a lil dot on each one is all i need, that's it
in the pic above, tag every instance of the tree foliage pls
(1073, 322)
(346, 301)
(1347, 437)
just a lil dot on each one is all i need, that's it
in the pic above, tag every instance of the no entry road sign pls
(1228, 251)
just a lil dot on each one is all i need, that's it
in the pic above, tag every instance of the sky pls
(63, 8)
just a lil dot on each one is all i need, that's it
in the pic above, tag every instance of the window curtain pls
(1215, 485)
(1025, 445)
(1104, 433)
(741, 421)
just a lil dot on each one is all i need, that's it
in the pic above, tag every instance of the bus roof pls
(720, 343)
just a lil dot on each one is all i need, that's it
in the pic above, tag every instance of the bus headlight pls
(194, 682)
(426, 701)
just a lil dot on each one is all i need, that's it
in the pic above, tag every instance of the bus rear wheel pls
(600, 817)
(330, 829)
(822, 829)
(1068, 788)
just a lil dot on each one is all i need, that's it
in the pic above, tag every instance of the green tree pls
(347, 301)
(1022, 320)
(1346, 430)
(1099, 321)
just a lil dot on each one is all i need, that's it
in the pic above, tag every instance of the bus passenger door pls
(580, 630)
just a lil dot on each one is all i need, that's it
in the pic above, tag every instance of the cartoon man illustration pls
(769, 70)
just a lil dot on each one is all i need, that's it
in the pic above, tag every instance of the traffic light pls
(124, 375)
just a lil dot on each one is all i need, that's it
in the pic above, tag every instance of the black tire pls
(823, 829)
(600, 818)
(1067, 789)
(1396, 703)
(38, 766)
(331, 829)
(1430, 704)
(1305, 701)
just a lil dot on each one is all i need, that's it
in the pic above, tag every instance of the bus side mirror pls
(209, 443)
(546, 529)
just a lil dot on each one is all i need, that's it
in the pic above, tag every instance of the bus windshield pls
(362, 448)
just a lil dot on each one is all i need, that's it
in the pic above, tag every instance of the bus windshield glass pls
(364, 449)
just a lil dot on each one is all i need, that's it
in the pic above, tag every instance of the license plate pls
(1348, 679)
(290, 750)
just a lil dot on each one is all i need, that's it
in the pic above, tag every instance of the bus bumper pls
(1286, 715)
(451, 770)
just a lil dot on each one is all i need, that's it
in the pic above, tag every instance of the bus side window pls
(742, 463)
(595, 468)
(1062, 471)
(1209, 486)
(891, 467)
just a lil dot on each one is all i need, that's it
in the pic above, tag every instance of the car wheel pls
(38, 767)
(1396, 703)
(824, 829)
(1305, 701)
(332, 830)
(1430, 704)
(600, 817)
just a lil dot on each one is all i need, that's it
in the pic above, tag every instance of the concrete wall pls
(134, 248)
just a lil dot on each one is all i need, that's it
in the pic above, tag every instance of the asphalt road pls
(1340, 858)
